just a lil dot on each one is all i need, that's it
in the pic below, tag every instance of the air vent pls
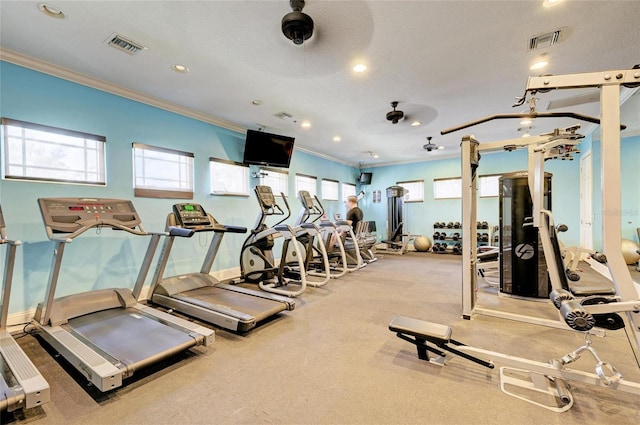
(545, 40)
(284, 115)
(124, 44)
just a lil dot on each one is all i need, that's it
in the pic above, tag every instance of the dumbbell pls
(443, 236)
(455, 236)
(450, 225)
(457, 225)
(457, 248)
(441, 225)
(485, 225)
(485, 237)
(436, 236)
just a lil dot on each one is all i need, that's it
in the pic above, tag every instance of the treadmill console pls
(191, 216)
(66, 215)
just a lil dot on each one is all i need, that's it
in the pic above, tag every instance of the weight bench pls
(421, 333)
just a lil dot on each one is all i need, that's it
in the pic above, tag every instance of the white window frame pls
(348, 189)
(228, 178)
(448, 188)
(330, 190)
(308, 183)
(150, 186)
(25, 147)
(277, 180)
(489, 185)
(415, 190)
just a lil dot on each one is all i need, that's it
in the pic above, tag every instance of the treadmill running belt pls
(130, 337)
(210, 296)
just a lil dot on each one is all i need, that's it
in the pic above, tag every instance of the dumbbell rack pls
(447, 237)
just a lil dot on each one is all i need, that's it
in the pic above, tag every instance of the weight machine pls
(555, 145)
(548, 378)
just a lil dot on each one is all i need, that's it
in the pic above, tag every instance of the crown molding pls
(85, 80)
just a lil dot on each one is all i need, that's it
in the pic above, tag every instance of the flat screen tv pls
(365, 178)
(272, 150)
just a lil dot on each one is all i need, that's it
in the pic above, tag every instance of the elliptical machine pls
(257, 262)
(311, 236)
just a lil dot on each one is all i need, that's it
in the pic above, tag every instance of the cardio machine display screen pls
(188, 208)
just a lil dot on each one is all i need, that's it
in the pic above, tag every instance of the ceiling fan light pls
(297, 26)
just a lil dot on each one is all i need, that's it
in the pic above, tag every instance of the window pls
(43, 153)
(277, 180)
(489, 185)
(447, 188)
(330, 190)
(162, 173)
(308, 183)
(228, 177)
(415, 190)
(348, 189)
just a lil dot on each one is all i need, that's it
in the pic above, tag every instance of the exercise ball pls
(422, 244)
(630, 251)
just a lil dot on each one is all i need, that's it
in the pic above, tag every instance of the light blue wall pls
(630, 189)
(421, 216)
(112, 259)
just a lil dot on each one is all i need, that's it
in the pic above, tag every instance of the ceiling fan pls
(296, 25)
(429, 146)
(395, 115)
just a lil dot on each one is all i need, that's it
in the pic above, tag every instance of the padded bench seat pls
(434, 333)
(420, 329)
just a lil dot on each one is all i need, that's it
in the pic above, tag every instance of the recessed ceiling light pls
(305, 124)
(376, 156)
(337, 138)
(551, 3)
(180, 68)
(539, 64)
(360, 67)
(51, 11)
(440, 147)
(415, 123)
(256, 102)
(526, 121)
(526, 135)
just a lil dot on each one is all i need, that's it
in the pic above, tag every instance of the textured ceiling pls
(446, 62)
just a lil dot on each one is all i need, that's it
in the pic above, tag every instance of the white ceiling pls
(446, 62)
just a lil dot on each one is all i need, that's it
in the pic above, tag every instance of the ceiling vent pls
(283, 115)
(545, 40)
(124, 44)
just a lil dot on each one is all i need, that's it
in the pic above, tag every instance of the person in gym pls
(354, 213)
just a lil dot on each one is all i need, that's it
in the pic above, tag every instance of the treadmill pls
(106, 334)
(21, 385)
(199, 294)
